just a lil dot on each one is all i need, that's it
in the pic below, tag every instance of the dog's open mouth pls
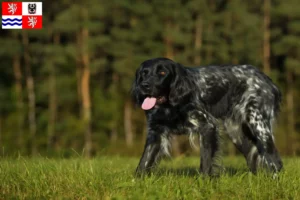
(150, 102)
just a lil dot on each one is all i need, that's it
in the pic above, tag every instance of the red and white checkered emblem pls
(22, 15)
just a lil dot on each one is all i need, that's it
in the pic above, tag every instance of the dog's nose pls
(145, 85)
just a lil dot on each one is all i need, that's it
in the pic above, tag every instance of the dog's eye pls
(162, 73)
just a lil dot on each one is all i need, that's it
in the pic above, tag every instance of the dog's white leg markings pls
(252, 152)
(233, 130)
(165, 144)
(192, 140)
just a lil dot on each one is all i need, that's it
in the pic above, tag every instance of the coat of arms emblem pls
(31, 8)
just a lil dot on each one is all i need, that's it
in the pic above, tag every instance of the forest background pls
(65, 89)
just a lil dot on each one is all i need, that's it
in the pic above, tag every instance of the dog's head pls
(160, 81)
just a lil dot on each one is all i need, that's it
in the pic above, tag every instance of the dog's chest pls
(176, 121)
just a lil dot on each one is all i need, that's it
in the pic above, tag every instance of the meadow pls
(112, 178)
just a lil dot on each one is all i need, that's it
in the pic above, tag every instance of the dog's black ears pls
(135, 95)
(181, 87)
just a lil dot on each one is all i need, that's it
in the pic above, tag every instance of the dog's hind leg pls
(265, 153)
(257, 126)
(242, 142)
(257, 147)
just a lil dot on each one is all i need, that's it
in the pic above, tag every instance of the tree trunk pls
(19, 99)
(0, 132)
(210, 29)
(198, 40)
(290, 113)
(86, 106)
(52, 101)
(168, 42)
(266, 41)
(113, 135)
(79, 68)
(31, 94)
(128, 123)
(234, 53)
(85, 91)
(209, 51)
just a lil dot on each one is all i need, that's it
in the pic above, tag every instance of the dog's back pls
(221, 88)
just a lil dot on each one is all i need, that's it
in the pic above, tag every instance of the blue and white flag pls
(12, 22)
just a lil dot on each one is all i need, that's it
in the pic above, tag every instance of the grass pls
(111, 178)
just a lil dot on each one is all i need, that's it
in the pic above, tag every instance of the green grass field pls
(111, 178)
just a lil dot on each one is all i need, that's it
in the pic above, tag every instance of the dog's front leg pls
(208, 148)
(151, 153)
(205, 124)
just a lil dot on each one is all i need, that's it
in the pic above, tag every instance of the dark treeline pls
(66, 87)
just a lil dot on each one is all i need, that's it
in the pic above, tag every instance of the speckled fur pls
(245, 99)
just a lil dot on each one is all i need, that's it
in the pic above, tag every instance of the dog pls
(191, 100)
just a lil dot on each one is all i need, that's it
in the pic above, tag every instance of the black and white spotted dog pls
(184, 100)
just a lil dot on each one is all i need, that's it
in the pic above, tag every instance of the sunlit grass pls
(111, 178)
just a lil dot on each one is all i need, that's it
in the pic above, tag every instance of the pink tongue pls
(148, 103)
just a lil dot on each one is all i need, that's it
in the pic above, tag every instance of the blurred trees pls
(286, 48)
(67, 87)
